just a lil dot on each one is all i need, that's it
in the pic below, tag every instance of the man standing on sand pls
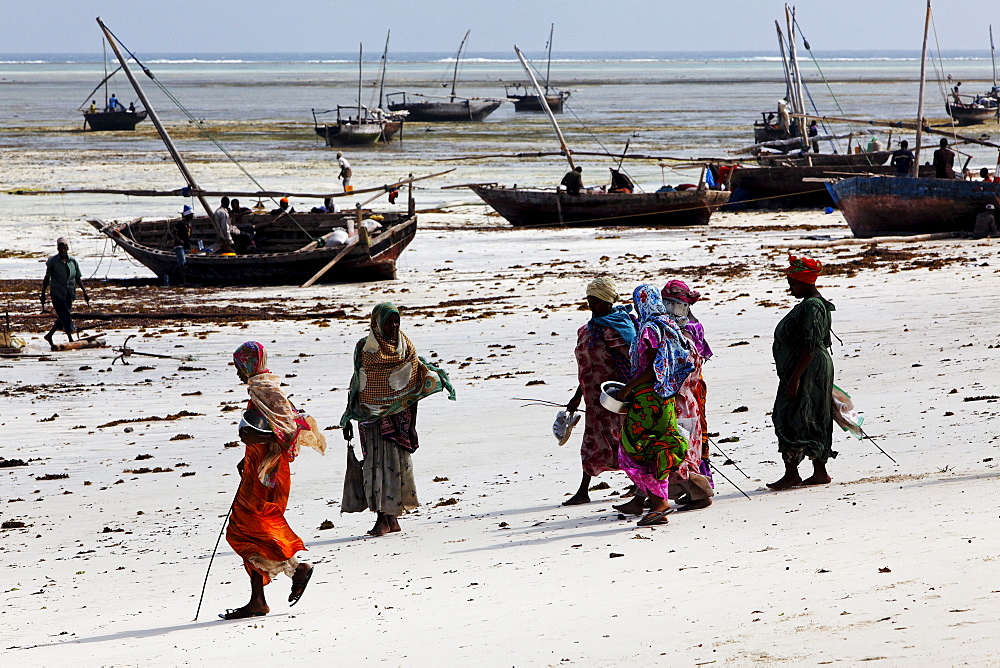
(345, 171)
(222, 227)
(62, 274)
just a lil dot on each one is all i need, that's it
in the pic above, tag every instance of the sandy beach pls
(891, 564)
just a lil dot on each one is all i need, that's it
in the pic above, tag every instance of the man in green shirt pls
(62, 275)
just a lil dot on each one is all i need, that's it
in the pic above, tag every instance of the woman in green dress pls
(803, 408)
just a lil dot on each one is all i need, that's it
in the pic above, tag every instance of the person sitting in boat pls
(814, 132)
(328, 207)
(93, 107)
(944, 161)
(573, 181)
(902, 159)
(620, 183)
(283, 208)
(131, 107)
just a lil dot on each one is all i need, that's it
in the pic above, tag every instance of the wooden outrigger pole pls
(545, 107)
(154, 117)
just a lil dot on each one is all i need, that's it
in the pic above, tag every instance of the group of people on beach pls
(661, 439)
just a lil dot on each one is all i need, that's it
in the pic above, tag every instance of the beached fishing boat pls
(432, 109)
(287, 251)
(367, 126)
(526, 99)
(905, 205)
(876, 206)
(537, 207)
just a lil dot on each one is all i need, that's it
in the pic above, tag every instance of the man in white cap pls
(986, 224)
(62, 275)
(345, 170)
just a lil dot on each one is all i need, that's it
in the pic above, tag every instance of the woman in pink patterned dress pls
(602, 354)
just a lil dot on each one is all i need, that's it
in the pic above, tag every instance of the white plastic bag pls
(844, 413)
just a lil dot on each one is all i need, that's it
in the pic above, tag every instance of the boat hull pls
(146, 242)
(435, 112)
(787, 187)
(532, 103)
(863, 160)
(880, 206)
(104, 121)
(546, 208)
(965, 115)
(352, 134)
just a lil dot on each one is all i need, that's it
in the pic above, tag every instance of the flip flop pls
(654, 518)
(240, 613)
(293, 598)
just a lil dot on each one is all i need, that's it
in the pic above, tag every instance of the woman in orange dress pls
(257, 528)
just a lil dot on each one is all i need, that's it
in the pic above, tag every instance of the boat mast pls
(545, 107)
(361, 53)
(784, 62)
(155, 119)
(548, 67)
(793, 54)
(993, 57)
(458, 57)
(915, 167)
(385, 61)
(104, 46)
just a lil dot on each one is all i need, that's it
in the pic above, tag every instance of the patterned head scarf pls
(672, 363)
(604, 288)
(251, 359)
(389, 376)
(804, 269)
(291, 429)
(679, 290)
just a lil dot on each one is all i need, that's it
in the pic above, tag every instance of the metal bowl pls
(255, 421)
(609, 392)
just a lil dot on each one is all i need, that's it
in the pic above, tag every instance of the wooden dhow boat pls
(284, 248)
(876, 206)
(971, 113)
(526, 99)
(431, 109)
(107, 120)
(288, 251)
(544, 207)
(537, 207)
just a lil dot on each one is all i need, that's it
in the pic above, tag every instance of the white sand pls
(786, 578)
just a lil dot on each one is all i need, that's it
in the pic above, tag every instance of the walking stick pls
(209, 569)
(877, 446)
(730, 481)
(729, 458)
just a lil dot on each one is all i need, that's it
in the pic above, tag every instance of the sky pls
(435, 26)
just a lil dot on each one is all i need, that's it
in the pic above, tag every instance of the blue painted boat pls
(888, 206)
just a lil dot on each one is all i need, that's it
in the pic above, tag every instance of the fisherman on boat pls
(223, 228)
(902, 159)
(813, 133)
(984, 174)
(114, 104)
(944, 160)
(181, 234)
(620, 183)
(573, 181)
(93, 107)
(62, 278)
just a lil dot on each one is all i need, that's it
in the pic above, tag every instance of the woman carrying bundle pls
(652, 446)
(389, 379)
(257, 528)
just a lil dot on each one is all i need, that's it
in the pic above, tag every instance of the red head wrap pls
(680, 291)
(804, 269)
